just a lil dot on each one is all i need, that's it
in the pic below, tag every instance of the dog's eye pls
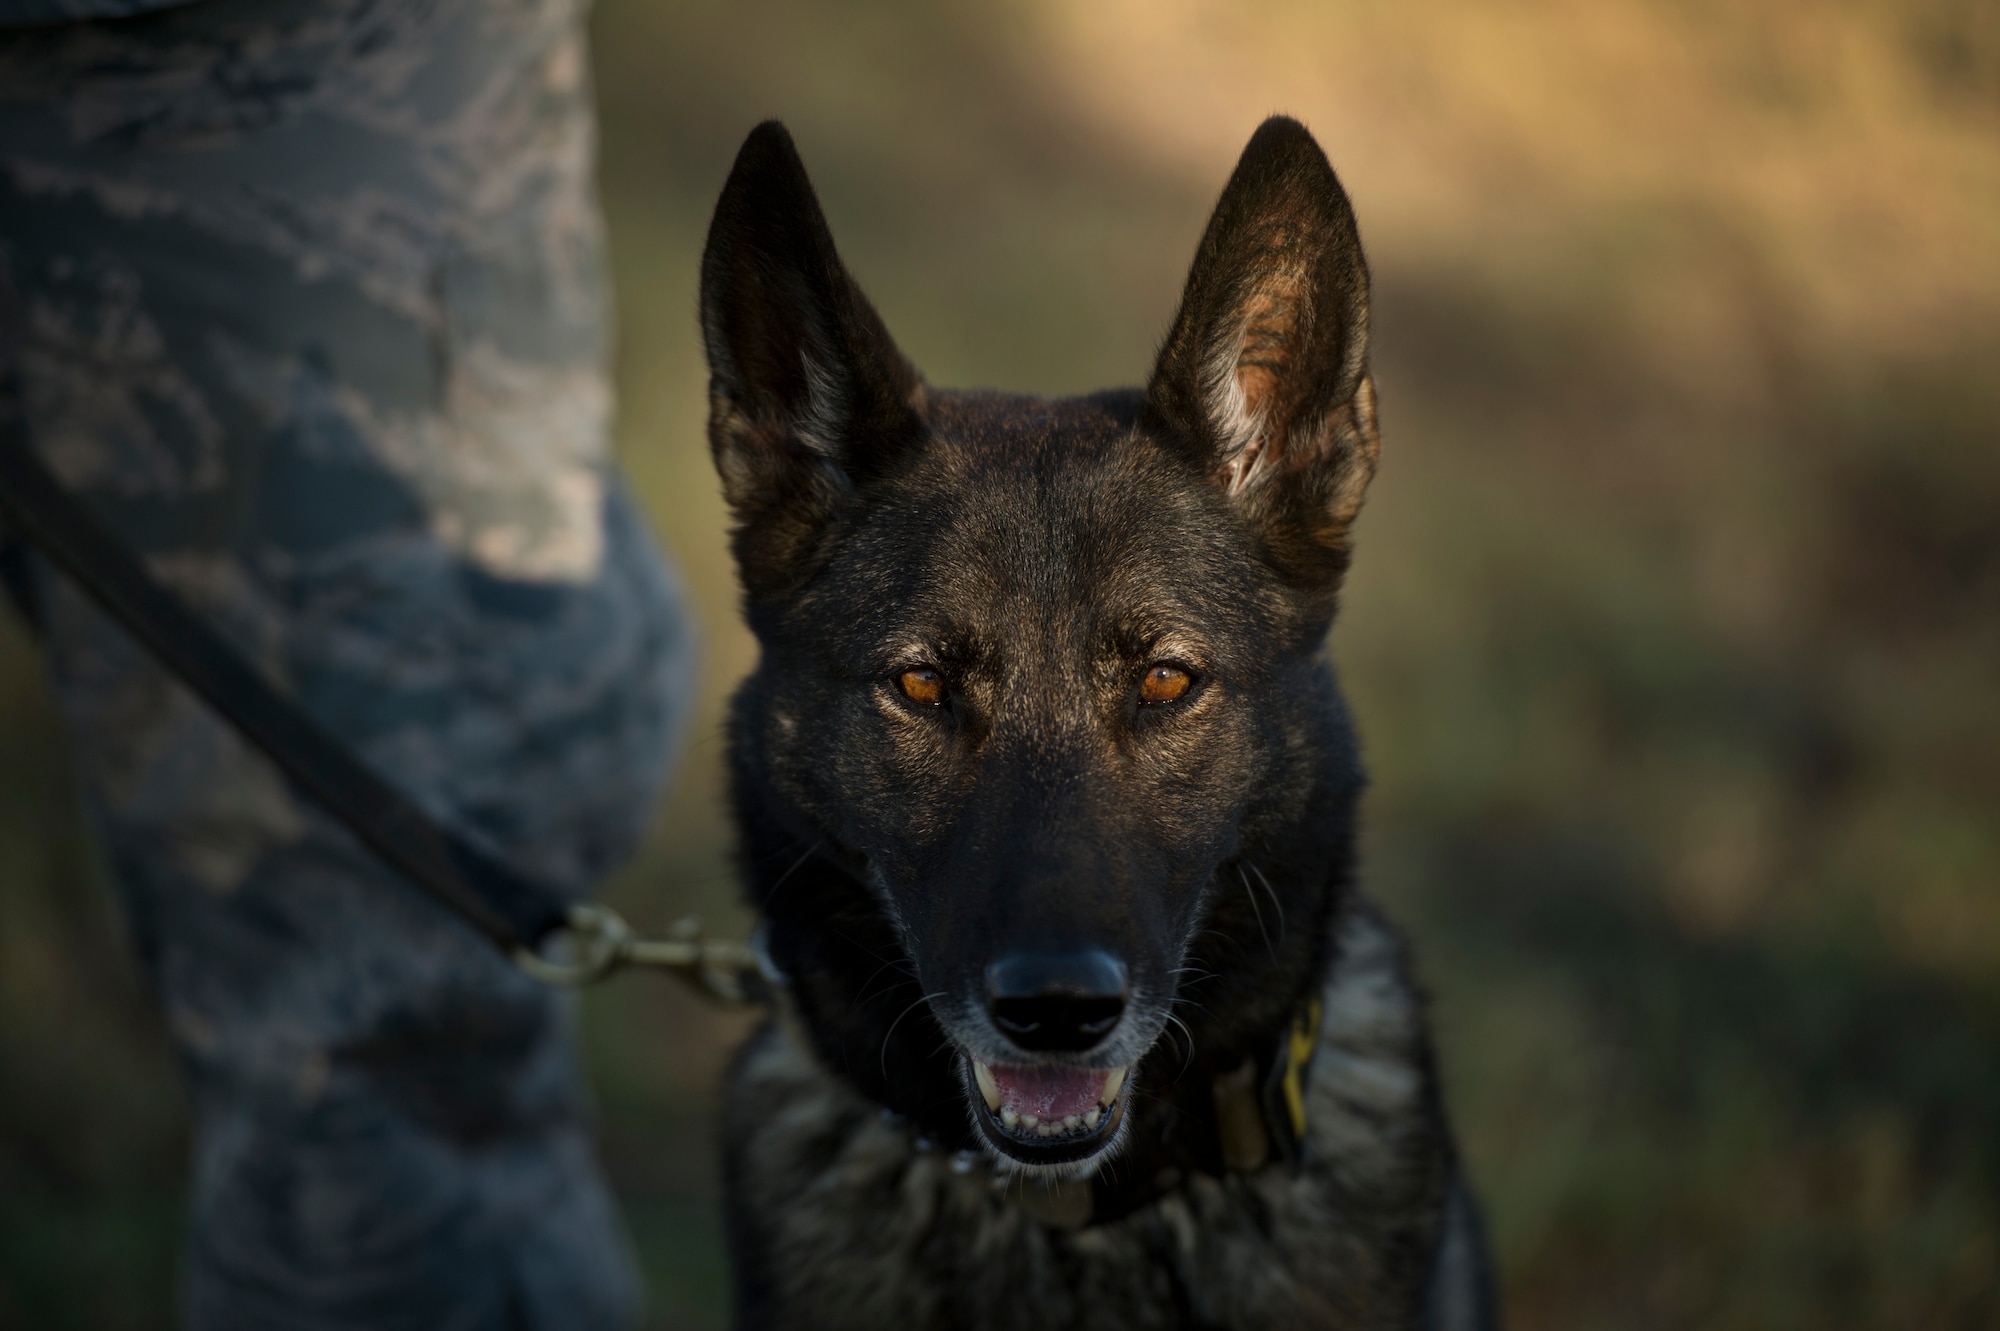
(1163, 683)
(922, 685)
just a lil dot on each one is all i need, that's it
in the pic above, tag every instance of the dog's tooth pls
(1029, 1121)
(1114, 1084)
(1046, 1130)
(987, 1086)
(1090, 1119)
(1070, 1121)
(1010, 1118)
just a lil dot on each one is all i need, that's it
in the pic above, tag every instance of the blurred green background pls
(1674, 631)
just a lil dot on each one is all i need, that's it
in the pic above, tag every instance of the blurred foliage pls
(1674, 631)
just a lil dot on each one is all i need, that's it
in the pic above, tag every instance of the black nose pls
(1056, 1001)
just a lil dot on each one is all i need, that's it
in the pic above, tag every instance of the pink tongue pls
(1049, 1093)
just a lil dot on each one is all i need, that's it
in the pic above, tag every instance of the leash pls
(555, 941)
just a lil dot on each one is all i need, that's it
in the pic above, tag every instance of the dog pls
(1046, 799)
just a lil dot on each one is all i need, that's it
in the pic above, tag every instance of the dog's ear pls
(808, 397)
(1263, 380)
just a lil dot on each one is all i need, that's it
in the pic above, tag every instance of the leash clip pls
(598, 942)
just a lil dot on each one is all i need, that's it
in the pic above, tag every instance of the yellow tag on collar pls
(1297, 1058)
(1256, 1119)
(1299, 1046)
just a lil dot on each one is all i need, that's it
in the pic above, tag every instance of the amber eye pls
(921, 684)
(1164, 683)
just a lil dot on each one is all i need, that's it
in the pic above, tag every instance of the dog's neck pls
(1259, 957)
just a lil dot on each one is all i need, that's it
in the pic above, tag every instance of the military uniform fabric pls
(306, 298)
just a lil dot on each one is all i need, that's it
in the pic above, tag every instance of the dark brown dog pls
(1047, 793)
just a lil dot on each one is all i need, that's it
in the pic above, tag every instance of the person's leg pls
(306, 298)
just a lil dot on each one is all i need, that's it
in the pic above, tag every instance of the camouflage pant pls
(306, 297)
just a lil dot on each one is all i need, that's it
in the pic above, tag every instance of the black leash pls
(520, 916)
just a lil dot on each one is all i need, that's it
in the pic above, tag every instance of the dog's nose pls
(1065, 1001)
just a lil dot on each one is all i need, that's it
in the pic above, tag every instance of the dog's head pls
(1042, 670)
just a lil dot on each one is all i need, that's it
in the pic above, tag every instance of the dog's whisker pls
(862, 995)
(895, 961)
(797, 865)
(887, 1035)
(1199, 975)
(1276, 904)
(1188, 1036)
(891, 959)
(1258, 911)
(1234, 943)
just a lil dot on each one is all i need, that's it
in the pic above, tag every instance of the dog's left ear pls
(809, 399)
(1263, 381)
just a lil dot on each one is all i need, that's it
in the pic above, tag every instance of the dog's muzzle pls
(1060, 1006)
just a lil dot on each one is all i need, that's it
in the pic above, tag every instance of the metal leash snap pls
(598, 937)
(600, 942)
(726, 972)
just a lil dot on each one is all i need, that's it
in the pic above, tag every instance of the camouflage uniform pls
(306, 297)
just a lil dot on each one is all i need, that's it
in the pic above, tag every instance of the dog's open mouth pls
(1047, 1113)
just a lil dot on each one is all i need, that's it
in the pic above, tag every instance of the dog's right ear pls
(809, 398)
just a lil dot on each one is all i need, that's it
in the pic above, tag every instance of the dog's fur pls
(1040, 557)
